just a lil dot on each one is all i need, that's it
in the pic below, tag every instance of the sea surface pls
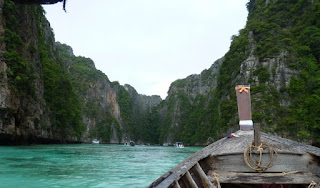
(87, 165)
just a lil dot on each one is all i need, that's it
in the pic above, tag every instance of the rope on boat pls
(257, 164)
(216, 180)
(280, 174)
(312, 185)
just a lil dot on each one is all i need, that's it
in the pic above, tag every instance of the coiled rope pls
(257, 164)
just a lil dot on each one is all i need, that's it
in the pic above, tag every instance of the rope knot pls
(259, 148)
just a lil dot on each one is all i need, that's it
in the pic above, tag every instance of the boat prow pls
(223, 164)
(247, 158)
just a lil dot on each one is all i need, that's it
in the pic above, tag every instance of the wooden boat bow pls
(297, 164)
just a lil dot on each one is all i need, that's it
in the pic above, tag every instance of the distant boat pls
(132, 143)
(179, 145)
(95, 141)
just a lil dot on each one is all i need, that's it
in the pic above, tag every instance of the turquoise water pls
(87, 165)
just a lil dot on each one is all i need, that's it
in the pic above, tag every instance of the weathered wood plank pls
(192, 183)
(231, 146)
(284, 163)
(239, 144)
(176, 185)
(204, 179)
(259, 178)
(286, 143)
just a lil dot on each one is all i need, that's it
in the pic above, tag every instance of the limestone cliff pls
(110, 111)
(185, 98)
(47, 95)
(276, 53)
(24, 115)
(198, 84)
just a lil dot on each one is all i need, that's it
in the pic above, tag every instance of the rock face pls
(47, 95)
(110, 110)
(184, 101)
(21, 114)
(206, 94)
(198, 84)
(276, 53)
(279, 72)
(143, 102)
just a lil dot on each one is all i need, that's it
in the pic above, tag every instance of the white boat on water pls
(179, 145)
(95, 141)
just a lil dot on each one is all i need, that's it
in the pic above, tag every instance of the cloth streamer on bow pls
(243, 88)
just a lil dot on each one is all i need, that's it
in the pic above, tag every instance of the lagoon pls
(87, 165)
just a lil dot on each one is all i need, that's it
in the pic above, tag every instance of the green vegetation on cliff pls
(31, 64)
(100, 100)
(20, 71)
(64, 104)
(277, 53)
(86, 79)
(292, 27)
(282, 39)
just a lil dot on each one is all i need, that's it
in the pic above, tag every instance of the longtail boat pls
(247, 159)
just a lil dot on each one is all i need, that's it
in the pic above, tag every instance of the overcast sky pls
(148, 43)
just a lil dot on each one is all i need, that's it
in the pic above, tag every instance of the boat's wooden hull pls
(222, 164)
